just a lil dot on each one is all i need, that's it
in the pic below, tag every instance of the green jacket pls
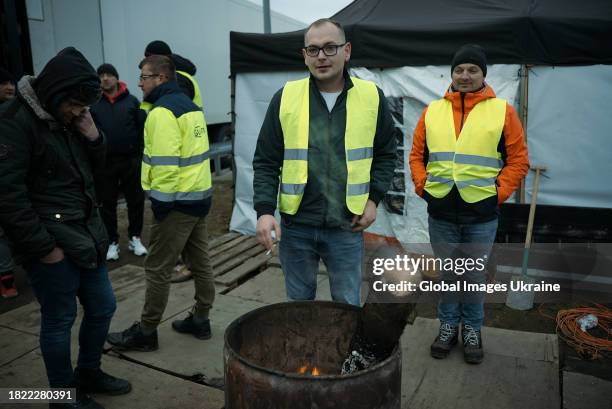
(324, 201)
(47, 195)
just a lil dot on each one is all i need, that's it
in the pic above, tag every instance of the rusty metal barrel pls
(266, 349)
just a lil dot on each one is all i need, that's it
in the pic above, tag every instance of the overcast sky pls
(306, 11)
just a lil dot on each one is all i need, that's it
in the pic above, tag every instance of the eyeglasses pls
(146, 77)
(328, 49)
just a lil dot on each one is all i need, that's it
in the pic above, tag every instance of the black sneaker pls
(83, 401)
(445, 341)
(189, 326)
(97, 381)
(472, 345)
(133, 339)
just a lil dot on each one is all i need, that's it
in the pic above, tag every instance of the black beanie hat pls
(157, 47)
(473, 54)
(6, 76)
(107, 69)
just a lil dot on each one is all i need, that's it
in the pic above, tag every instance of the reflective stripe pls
(161, 160)
(183, 196)
(441, 156)
(358, 189)
(293, 188)
(439, 179)
(476, 182)
(479, 160)
(175, 160)
(194, 160)
(296, 154)
(360, 153)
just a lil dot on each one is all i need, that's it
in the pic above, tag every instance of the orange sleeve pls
(517, 157)
(417, 156)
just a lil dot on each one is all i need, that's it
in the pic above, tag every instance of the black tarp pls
(395, 33)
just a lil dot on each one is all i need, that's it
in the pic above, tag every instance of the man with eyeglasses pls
(49, 146)
(333, 137)
(176, 174)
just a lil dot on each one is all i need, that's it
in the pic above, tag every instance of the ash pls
(362, 356)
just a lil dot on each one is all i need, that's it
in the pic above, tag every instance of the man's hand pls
(84, 124)
(55, 256)
(364, 221)
(265, 225)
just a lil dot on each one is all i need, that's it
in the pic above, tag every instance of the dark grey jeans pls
(6, 260)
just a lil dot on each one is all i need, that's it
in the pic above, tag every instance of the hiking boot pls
(7, 286)
(472, 345)
(83, 401)
(181, 273)
(113, 252)
(97, 381)
(136, 246)
(445, 341)
(189, 326)
(133, 339)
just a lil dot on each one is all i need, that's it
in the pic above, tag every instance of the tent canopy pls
(395, 33)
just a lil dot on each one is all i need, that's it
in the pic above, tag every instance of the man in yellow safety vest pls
(330, 138)
(468, 156)
(176, 175)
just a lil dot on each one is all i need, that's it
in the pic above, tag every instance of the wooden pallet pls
(235, 258)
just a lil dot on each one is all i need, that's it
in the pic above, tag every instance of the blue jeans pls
(341, 250)
(445, 238)
(56, 287)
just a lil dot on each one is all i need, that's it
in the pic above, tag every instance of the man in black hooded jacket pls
(185, 70)
(49, 146)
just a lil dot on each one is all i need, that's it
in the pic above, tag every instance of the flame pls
(306, 370)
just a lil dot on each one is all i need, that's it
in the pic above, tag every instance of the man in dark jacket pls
(185, 70)
(49, 146)
(7, 280)
(332, 135)
(118, 115)
(7, 87)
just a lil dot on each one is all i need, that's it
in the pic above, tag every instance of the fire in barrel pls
(290, 355)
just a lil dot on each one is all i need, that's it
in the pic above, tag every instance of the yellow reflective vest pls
(471, 162)
(197, 96)
(361, 119)
(176, 164)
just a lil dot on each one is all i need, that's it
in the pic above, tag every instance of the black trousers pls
(121, 174)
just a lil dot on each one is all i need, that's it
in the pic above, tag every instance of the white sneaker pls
(113, 252)
(136, 247)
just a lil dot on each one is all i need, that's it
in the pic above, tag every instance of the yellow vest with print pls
(361, 119)
(471, 161)
(175, 163)
(197, 96)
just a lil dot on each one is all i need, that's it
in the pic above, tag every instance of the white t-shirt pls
(330, 99)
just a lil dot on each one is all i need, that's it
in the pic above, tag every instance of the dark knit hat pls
(472, 54)
(157, 47)
(6, 76)
(107, 68)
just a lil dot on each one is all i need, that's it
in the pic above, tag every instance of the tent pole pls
(233, 132)
(523, 98)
